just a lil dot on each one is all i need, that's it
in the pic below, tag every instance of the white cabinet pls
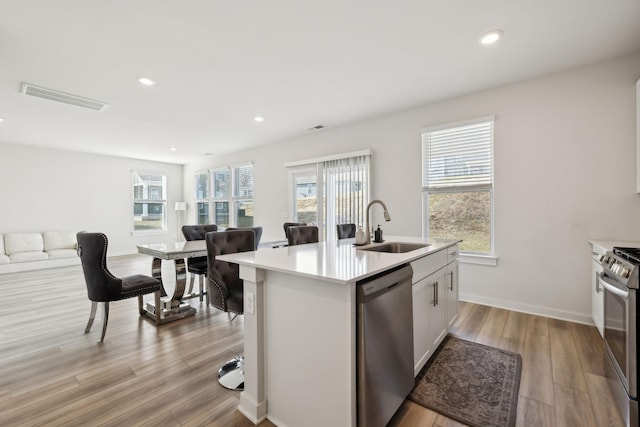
(452, 294)
(429, 324)
(597, 296)
(435, 302)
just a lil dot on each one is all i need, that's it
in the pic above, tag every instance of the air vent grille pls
(66, 98)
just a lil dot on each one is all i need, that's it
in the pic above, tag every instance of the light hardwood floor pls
(53, 374)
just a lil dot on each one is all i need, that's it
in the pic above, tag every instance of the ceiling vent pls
(317, 127)
(66, 98)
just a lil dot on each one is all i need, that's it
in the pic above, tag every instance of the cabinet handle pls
(433, 295)
(451, 284)
(454, 253)
(436, 287)
(598, 284)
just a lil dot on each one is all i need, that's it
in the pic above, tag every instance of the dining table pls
(174, 307)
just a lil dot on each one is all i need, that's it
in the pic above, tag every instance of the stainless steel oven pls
(619, 282)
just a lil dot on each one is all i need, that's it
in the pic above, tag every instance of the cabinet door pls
(597, 297)
(438, 310)
(421, 344)
(452, 294)
(429, 316)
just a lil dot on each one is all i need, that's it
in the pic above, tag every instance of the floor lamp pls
(181, 207)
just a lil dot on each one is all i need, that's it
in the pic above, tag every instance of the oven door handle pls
(607, 285)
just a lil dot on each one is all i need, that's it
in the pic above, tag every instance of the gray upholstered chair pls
(226, 290)
(104, 287)
(286, 226)
(256, 230)
(302, 234)
(346, 231)
(197, 266)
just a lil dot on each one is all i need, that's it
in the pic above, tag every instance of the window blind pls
(346, 187)
(460, 156)
(243, 181)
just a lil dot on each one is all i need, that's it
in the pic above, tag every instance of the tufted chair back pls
(102, 286)
(256, 230)
(197, 232)
(224, 284)
(286, 226)
(302, 234)
(346, 231)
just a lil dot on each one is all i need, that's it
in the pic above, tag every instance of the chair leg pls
(92, 315)
(105, 320)
(158, 306)
(201, 283)
(140, 305)
(193, 278)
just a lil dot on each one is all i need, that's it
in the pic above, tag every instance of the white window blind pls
(458, 157)
(243, 181)
(347, 187)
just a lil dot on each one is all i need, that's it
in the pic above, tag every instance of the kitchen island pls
(300, 327)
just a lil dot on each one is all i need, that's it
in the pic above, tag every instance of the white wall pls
(48, 190)
(564, 173)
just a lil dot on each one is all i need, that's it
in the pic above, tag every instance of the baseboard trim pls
(529, 309)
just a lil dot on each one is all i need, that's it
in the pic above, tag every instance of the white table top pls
(336, 261)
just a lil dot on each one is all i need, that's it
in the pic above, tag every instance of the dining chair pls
(286, 226)
(346, 231)
(104, 287)
(197, 266)
(299, 235)
(226, 290)
(257, 230)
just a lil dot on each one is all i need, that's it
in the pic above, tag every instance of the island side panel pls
(310, 345)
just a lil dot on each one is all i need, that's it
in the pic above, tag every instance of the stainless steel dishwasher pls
(385, 345)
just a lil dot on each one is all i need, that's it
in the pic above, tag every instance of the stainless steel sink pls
(395, 247)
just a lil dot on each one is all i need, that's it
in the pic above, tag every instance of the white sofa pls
(33, 251)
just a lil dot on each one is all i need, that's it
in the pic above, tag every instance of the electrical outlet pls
(249, 303)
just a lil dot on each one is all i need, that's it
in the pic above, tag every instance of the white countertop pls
(336, 261)
(602, 245)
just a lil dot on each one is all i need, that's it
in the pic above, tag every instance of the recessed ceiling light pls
(146, 81)
(259, 119)
(173, 149)
(491, 37)
(1, 120)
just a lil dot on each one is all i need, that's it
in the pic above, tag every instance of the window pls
(232, 196)
(202, 198)
(221, 196)
(457, 184)
(330, 191)
(243, 195)
(149, 202)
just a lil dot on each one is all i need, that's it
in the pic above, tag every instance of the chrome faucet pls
(386, 216)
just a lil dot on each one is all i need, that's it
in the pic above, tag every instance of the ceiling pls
(297, 63)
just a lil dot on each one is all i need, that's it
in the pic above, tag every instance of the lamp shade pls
(181, 206)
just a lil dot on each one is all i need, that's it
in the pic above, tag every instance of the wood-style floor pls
(51, 373)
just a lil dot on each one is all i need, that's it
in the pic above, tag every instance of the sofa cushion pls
(59, 240)
(28, 256)
(62, 253)
(23, 242)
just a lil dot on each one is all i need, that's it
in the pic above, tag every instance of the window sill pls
(149, 233)
(491, 260)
